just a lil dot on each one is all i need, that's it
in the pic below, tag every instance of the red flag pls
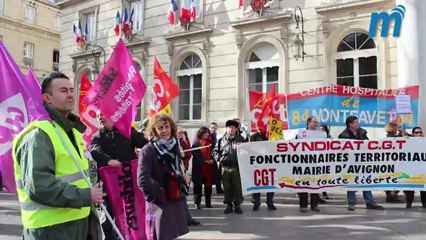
(241, 3)
(85, 86)
(267, 107)
(164, 89)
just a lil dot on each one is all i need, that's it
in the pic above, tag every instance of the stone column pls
(412, 51)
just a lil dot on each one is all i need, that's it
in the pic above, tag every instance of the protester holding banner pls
(110, 147)
(311, 125)
(392, 131)
(260, 135)
(353, 131)
(202, 167)
(184, 144)
(225, 152)
(416, 132)
(161, 177)
(50, 169)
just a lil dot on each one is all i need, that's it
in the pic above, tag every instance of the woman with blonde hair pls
(161, 178)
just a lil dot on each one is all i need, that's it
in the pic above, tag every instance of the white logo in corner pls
(13, 118)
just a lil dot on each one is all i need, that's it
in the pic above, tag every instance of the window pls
(190, 84)
(262, 67)
(356, 61)
(198, 10)
(28, 54)
(88, 25)
(1, 6)
(30, 14)
(55, 60)
(138, 9)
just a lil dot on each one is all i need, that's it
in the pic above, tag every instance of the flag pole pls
(248, 108)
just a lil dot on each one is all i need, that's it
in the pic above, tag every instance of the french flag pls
(172, 12)
(193, 12)
(125, 26)
(185, 12)
(77, 32)
(117, 24)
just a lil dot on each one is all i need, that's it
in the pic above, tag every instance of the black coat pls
(107, 145)
(361, 134)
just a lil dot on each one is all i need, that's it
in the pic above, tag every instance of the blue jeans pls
(186, 209)
(368, 197)
(269, 199)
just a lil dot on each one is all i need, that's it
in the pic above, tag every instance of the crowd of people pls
(57, 203)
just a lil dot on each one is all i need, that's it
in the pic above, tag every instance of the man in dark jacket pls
(225, 152)
(260, 135)
(353, 131)
(110, 147)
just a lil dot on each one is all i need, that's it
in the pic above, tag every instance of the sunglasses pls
(418, 132)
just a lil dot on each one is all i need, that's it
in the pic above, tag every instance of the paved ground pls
(333, 222)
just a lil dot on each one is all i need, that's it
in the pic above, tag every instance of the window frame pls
(25, 58)
(83, 15)
(1, 7)
(190, 73)
(356, 55)
(128, 4)
(55, 65)
(28, 15)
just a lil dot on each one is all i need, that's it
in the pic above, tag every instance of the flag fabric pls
(87, 112)
(167, 110)
(185, 12)
(79, 33)
(267, 107)
(86, 30)
(125, 25)
(193, 10)
(117, 24)
(275, 129)
(20, 104)
(130, 20)
(173, 9)
(163, 90)
(241, 4)
(118, 89)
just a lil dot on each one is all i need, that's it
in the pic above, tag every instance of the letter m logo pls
(397, 14)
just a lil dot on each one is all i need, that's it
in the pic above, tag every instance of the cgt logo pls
(397, 14)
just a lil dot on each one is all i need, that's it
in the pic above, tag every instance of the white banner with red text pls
(333, 165)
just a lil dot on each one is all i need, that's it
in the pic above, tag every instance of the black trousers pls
(409, 196)
(303, 200)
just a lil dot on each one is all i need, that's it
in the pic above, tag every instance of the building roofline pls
(68, 3)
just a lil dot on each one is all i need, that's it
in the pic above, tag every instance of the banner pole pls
(248, 108)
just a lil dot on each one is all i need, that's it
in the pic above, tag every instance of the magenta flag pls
(125, 199)
(118, 89)
(20, 104)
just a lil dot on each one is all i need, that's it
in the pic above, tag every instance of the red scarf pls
(206, 152)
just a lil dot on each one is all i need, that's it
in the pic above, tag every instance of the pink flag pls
(126, 199)
(20, 104)
(118, 89)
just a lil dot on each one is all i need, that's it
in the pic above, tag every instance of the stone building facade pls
(30, 31)
(229, 49)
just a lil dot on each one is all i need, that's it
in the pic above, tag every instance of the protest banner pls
(87, 112)
(118, 89)
(333, 165)
(333, 104)
(20, 104)
(125, 199)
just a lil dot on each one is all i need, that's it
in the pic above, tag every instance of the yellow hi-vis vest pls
(36, 215)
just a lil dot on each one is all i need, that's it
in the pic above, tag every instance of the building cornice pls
(276, 18)
(136, 43)
(47, 3)
(187, 34)
(350, 6)
(69, 3)
(21, 24)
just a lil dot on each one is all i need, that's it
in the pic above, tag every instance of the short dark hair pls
(415, 128)
(47, 82)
